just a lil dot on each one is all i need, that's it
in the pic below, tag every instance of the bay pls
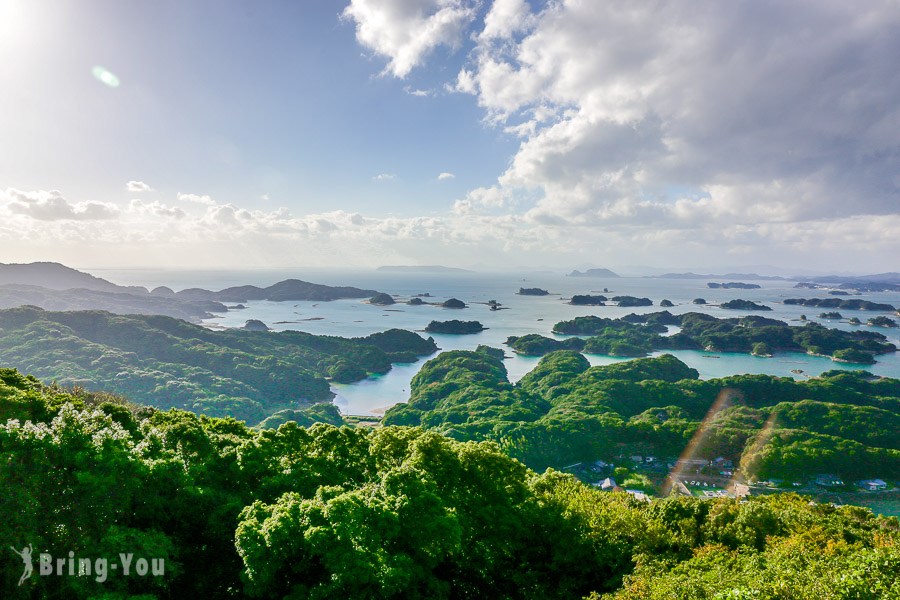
(520, 315)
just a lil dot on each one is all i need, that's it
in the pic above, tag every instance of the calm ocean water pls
(524, 314)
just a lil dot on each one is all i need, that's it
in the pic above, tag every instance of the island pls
(664, 303)
(415, 301)
(588, 300)
(698, 301)
(533, 292)
(381, 299)
(630, 301)
(455, 327)
(593, 273)
(641, 334)
(733, 285)
(830, 315)
(744, 305)
(453, 303)
(852, 304)
(881, 321)
(255, 325)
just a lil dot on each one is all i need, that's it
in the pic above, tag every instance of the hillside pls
(55, 276)
(163, 362)
(565, 411)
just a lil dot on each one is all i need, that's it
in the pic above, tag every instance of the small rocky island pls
(454, 303)
(533, 292)
(381, 299)
(455, 327)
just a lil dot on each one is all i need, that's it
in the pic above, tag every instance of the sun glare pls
(106, 77)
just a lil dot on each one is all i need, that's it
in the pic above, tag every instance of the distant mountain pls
(593, 273)
(891, 277)
(422, 269)
(55, 276)
(725, 276)
(121, 303)
(289, 289)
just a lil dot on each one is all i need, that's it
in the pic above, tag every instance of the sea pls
(519, 315)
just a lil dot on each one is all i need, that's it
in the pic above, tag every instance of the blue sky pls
(568, 133)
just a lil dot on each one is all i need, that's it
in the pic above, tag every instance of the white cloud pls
(406, 31)
(156, 208)
(417, 92)
(384, 177)
(138, 186)
(196, 199)
(772, 112)
(52, 206)
(446, 175)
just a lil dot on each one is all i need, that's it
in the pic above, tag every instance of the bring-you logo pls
(126, 565)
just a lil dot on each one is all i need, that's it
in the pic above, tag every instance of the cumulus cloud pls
(52, 206)
(156, 208)
(196, 199)
(384, 177)
(405, 31)
(687, 116)
(446, 175)
(138, 186)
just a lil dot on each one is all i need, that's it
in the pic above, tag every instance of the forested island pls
(454, 327)
(593, 273)
(733, 285)
(744, 305)
(533, 292)
(328, 512)
(638, 335)
(163, 362)
(588, 300)
(852, 304)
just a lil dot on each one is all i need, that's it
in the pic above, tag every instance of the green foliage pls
(334, 512)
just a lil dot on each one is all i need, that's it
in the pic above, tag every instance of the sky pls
(487, 134)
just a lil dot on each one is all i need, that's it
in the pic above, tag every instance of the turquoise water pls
(524, 314)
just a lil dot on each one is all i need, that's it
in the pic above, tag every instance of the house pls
(873, 485)
(639, 495)
(637, 458)
(723, 463)
(826, 480)
(608, 484)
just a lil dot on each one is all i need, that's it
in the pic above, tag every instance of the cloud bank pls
(720, 123)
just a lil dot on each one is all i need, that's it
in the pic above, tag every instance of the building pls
(873, 485)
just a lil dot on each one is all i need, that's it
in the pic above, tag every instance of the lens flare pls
(672, 481)
(105, 76)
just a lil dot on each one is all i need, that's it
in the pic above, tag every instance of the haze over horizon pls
(500, 133)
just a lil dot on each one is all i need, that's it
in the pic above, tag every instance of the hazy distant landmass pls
(55, 276)
(422, 269)
(289, 289)
(593, 273)
(53, 286)
(690, 275)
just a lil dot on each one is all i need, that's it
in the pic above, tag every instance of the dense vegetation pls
(455, 327)
(164, 362)
(331, 512)
(637, 335)
(381, 299)
(565, 411)
(453, 303)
